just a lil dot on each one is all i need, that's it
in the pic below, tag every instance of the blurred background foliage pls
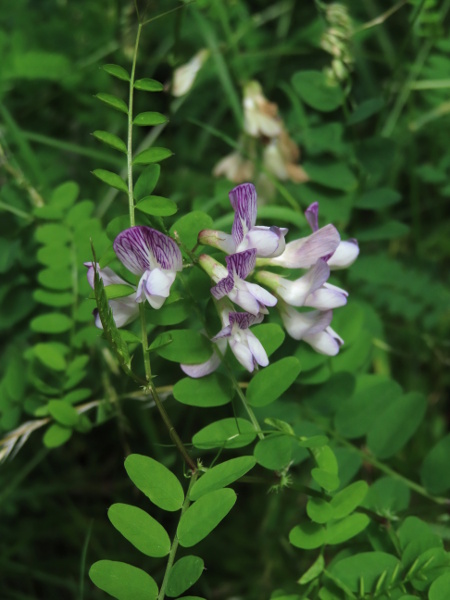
(377, 160)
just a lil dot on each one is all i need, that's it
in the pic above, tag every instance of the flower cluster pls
(250, 246)
(263, 125)
(156, 259)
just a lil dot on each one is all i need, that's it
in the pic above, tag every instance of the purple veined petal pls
(296, 292)
(312, 215)
(217, 239)
(345, 255)
(305, 252)
(326, 299)
(300, 324)
(209, 366)
(242, 353)
(243, 201)
(142, 248)
(268, 241)
(244, 320)
(257, 349)
(241, 263)
(223, 333)
(223, 287)
(326, 342)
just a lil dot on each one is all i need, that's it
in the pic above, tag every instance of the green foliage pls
(353, 448)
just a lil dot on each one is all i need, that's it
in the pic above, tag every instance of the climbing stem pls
(174, 547)
(130, 130)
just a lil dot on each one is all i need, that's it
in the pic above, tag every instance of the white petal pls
(324, 342)
(257, 349)
(200, 370)
(298, 325)
(158, 282)
(243, 354)
(241, 296)
(217, 239)
(345, 255)
(262, 295)
(326, 299)
(296, 292)
(268, 241)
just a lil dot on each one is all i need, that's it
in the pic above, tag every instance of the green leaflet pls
(185, 572)
(212, 390)
(156, 481)
(222, 475)
(204, 515)
(123, 581)
(140, 529)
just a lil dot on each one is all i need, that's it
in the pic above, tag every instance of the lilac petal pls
(241, 263)
(298, 325)
(106, 274)
(296, 292)
(217, 239)
(268, 241)
(124, 311)
(141, 248)
(243, 201)
(223, 333)
(262, 296)
(326, 342)
(200, 370)
(312, 215)
(346, 254)
(327, 297)
(305, 252)
(241, 296)
(257, 349)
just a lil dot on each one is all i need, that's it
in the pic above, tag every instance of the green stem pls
(243, 399)
(144, 341)
(385, 469)
(174, 547)
(130, 130)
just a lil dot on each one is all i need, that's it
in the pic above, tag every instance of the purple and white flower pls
(313, 327)
(246, 347)
(124, 309)
(230, 281)
(209, 366)
(309, 290)
(268, 241)
(152, 255)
